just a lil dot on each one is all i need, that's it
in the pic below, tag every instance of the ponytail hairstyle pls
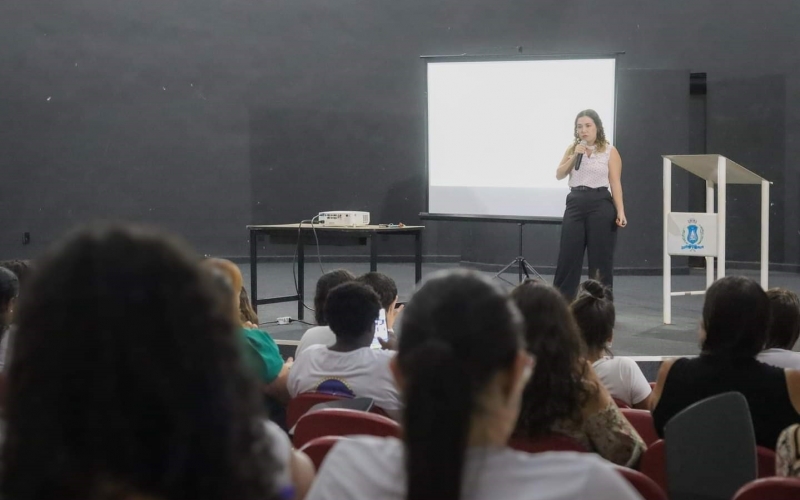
(459, 329)
(594, 312)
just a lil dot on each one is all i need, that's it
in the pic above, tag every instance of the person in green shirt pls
(259, 349)
(261, 354)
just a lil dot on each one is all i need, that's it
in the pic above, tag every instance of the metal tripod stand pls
(523, 267)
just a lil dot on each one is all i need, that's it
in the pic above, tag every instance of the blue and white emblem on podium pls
(693, 236)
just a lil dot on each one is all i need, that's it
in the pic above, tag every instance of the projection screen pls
(497, 130)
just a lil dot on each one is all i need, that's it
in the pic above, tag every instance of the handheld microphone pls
(579, 157)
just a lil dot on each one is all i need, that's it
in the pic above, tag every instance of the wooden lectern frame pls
(714, 169)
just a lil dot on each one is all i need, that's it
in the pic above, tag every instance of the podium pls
(703, 234)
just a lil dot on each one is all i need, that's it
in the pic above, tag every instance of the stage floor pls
(639, 330)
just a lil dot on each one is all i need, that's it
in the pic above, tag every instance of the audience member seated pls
(784, 328)
(247, 314)
(595, 314)
(127, 383)
(322, 334)
(9, 290)
(736, 315)
(386, 289)
(349, 366)
(261, 351)
(565, 395)
(462, 368)
(787, 452)
(22, 270)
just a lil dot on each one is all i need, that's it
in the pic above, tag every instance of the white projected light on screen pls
(498, 129)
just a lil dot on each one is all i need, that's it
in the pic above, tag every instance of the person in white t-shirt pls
(382, 284)
(322, 334)
(594, 312)
(349, 366)
(783, 331)
(461, 367)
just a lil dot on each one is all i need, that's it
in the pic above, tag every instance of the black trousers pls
(589, 225)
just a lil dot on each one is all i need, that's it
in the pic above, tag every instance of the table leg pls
(373, 252)
(301, 276)
(254, 270)
(417, 256)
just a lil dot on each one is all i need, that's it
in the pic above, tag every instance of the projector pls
(349, 218)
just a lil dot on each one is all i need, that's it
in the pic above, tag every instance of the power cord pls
(294, 259)
(297, 251)
(319, 256)
(286, 320)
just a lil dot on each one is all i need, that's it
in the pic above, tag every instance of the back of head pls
(351, 310)
(557, 390)
(325, 284)
(735, 318)
(383, 285)
(459, 330)
(9, 286)
(138, 383)
(784, 323)
(21, 268)
(595, 315)
(9, 289)
(230, 269)
(232, 276)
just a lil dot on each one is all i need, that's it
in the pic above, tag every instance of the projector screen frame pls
(556, 221)
(426, 215)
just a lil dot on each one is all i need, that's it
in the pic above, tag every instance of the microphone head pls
(584, 143)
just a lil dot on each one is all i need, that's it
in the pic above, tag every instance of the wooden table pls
(301, 235)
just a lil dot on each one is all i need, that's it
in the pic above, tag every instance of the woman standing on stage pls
(593, 213)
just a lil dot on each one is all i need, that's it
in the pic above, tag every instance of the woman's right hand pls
(579, 149)
(567, 161)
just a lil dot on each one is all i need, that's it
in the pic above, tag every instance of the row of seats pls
(316, 431)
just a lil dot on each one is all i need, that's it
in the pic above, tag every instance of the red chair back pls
(299, 405)
(766, 462)
(620, 403)
(642, 421)
(643, 484)
(550, 442)
(771, 488)
(318, 448)
(341, 422)
(654, 464)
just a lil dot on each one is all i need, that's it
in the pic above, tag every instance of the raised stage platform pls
(639, 330)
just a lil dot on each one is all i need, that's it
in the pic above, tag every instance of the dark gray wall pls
(753, 143)
(203, 116)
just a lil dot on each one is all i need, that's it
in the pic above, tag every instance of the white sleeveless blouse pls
(594, 170)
